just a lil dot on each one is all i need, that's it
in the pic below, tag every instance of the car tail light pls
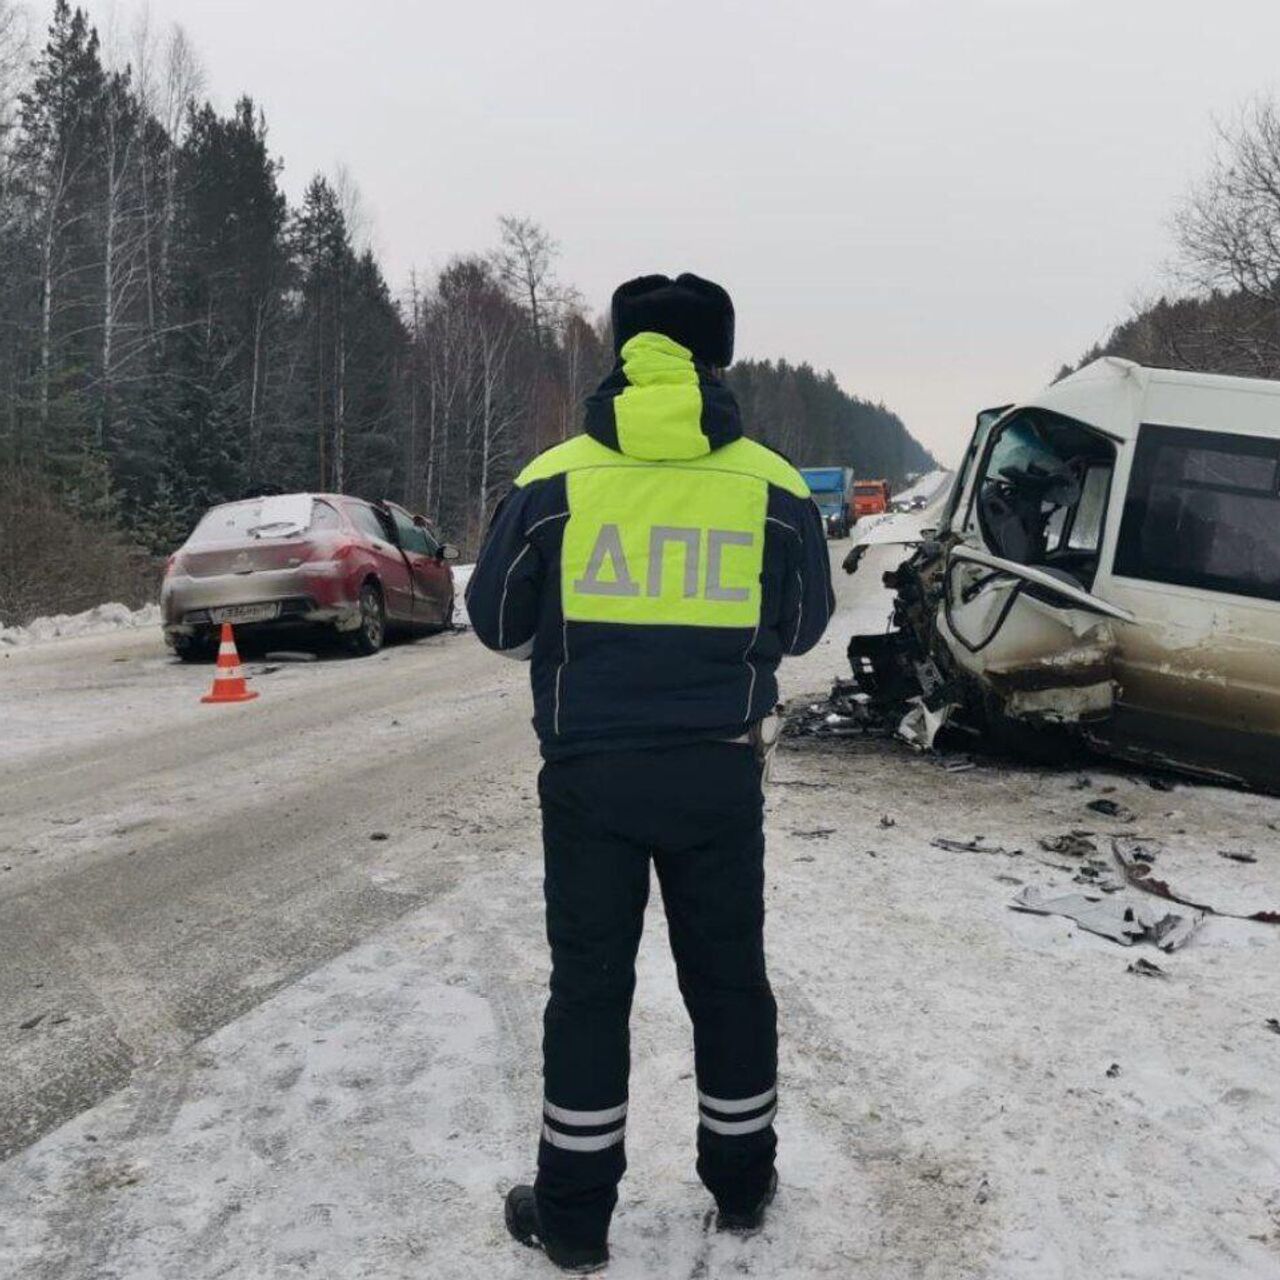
(345, 550)
(171, 563)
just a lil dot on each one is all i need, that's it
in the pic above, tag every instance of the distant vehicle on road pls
(871, 498)
(319, 560)
(832, 489)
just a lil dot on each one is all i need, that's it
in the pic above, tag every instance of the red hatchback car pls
(307, 559)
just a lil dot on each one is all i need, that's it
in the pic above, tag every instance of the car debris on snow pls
(846, 713)
(1136, 858)
(1111, 809)
(976, 845)
(1235, 855)
(1125, 922)
(1074, 844)
(1273, 1024)
(1147, 969)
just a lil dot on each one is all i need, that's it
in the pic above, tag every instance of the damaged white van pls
(1107, 562)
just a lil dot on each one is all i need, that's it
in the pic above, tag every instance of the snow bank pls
(461, 576)
(62, 626)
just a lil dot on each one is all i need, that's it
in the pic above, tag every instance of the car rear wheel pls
(367, 639)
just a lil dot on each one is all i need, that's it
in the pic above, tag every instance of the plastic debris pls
(976, 845)
(1135, 861)
(921, 725)
(1074, 844)
(1125, 922)
(1112, 809)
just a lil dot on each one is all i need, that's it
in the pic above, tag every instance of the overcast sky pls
(940, 201)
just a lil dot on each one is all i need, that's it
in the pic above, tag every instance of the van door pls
(1019, 613)
(1198, 562)
(960, 492)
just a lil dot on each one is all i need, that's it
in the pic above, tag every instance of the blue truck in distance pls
(832, 489)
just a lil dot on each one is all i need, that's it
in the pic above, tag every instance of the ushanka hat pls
(693, 312)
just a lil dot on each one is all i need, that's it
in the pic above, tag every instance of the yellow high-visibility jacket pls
(655, 569)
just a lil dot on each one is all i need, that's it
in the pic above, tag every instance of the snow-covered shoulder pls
(64, 626)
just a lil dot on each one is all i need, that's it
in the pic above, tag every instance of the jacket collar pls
(661, 405)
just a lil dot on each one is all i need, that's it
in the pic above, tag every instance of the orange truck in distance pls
(871, 497)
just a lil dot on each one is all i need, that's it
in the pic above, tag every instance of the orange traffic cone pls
(228, 681)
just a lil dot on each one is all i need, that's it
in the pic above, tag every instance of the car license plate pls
(246, 613)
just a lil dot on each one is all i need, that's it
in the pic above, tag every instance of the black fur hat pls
(691, 311)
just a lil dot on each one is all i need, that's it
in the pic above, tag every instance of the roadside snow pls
(461, 576)
(62, 626)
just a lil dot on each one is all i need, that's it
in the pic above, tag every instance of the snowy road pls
(966, 1091)
(168, 865)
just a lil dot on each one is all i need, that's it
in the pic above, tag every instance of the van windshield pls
(1043, 492)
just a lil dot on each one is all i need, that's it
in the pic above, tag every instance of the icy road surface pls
(274, 1047)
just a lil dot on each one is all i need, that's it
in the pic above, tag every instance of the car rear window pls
(281, 516)
(1203, 510)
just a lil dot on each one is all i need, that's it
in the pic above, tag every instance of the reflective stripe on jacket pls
(655, 569)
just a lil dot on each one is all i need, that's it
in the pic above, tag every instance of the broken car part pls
(1135, 861)
(1125, 922)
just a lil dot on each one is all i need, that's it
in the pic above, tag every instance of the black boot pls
(524, 1225)
(743, 1222)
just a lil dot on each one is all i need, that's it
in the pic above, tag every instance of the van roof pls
(1117, 396)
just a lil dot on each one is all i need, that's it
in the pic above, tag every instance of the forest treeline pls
(173, 332)
(1224, 314)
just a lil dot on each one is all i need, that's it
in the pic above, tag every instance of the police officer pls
(655, 569)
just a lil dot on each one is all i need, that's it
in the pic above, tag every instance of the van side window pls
(1203, 510)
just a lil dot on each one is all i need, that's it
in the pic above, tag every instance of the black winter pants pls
(696, 811)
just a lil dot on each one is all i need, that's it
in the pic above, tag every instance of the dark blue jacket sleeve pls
(506, 585)
(808, 600)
